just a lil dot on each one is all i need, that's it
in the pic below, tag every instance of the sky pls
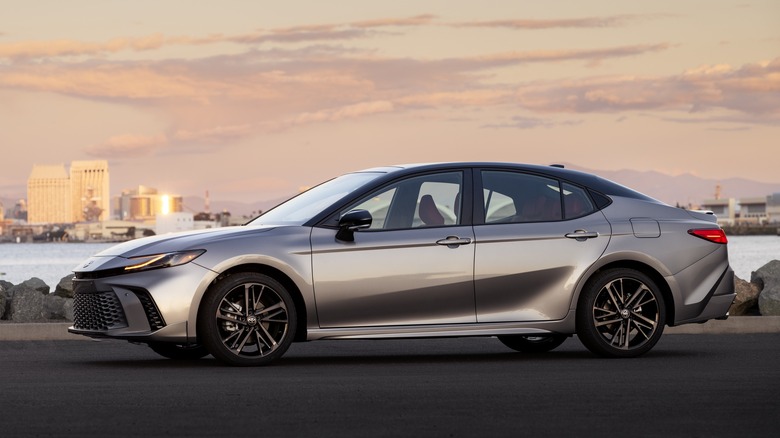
(252, 100)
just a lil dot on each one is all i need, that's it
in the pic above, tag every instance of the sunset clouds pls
(205, 92)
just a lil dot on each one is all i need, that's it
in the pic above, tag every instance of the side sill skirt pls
(563, 326)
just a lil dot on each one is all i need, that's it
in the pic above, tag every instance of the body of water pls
(748, 253)
(47, 261)
(52, 261)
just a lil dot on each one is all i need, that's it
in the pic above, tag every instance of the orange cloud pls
(306, 33)
(123, 146)
(342, 113)
(215, 135)
(751, 89)
(536, 24)
(109, 80)
(24, 50)
(56, 48)
(564, 55)
(418, 20)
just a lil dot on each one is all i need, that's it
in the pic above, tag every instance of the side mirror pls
(352, 221)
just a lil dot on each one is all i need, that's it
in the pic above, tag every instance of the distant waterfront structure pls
(174, 222)
(725, 209)
(49, 195)
(773, 208)
(757, 210)
(144, 203)
(90, 194)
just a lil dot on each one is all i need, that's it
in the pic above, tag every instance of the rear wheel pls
(247, 319)
(621, 313)
(178, 351)
(532, 344)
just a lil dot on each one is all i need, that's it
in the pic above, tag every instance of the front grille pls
(97, 311)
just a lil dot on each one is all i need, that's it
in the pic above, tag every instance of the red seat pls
(429, 213)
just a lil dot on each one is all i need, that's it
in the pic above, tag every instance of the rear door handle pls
(582, 235)
(454, 241)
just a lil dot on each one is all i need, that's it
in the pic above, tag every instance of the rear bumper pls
(717, 303)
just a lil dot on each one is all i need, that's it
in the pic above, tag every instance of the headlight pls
(156, 261)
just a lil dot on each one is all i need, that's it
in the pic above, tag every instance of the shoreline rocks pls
(30, 301)
(768, 278)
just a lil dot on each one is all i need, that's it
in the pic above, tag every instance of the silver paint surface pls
(508, 278)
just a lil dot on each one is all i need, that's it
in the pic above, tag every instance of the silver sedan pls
(528, 254)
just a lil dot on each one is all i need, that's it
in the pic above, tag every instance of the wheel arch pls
(637, 265)
(278, 275)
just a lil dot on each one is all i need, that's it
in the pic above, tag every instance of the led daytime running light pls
(145, 264)
(162, 260)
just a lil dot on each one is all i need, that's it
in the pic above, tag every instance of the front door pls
(403, 270)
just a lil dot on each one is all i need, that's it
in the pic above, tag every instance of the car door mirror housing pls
(352, 221)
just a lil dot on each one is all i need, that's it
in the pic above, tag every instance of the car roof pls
(591, 181)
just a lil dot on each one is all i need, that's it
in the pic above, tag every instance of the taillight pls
(716, 236)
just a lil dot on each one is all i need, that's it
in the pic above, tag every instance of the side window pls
(423, 201)
(378, 205)
(498, 206)
(512, 197)
(576, 203)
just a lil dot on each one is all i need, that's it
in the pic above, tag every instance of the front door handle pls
(582, 235)
(454, 241)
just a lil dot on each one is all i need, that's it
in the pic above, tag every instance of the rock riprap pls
(30, 301)
(768, 278)
(746, 302)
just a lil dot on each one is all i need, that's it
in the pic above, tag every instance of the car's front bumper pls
(145, 306)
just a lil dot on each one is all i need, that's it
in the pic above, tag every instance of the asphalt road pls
(689, 385)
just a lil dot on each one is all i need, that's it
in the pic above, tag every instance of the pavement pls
(58, 331)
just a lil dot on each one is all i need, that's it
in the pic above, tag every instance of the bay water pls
(52, 261)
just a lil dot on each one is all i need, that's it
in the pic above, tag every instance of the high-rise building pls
(90, 197)
(49, 195)
(55, 197)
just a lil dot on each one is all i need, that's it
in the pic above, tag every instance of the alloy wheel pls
(252, 320)
(626, 313)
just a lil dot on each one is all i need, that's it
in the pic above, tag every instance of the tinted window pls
(514, 197)
(576, 202)
(423, 201)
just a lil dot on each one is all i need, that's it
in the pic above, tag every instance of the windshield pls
(298, 210)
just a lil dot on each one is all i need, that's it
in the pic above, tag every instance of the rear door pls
(535, 237)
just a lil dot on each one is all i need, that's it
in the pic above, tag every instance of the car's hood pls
(180, 241)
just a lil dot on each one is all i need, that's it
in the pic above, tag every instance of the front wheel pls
(247, 319)
(621, 313)
(532, 344)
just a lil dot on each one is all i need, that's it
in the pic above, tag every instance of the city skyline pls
(254, 101)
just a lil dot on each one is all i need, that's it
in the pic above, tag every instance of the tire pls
(532, 344)
(247, 319)
(179, 351)
(621, 313)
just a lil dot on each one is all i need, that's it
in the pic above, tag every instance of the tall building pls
(90, 197)
(49, 195)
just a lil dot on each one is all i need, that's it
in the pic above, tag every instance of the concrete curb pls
(733, 325)
(44, 331)
(58, 331)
